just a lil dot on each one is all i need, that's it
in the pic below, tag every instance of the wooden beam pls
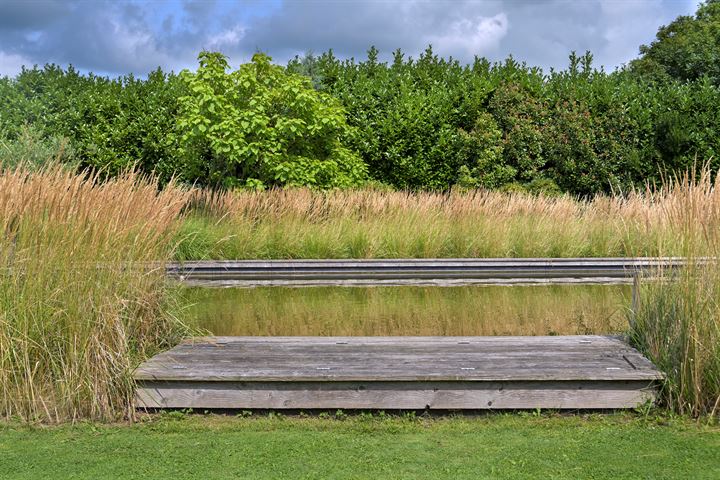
(395, 395)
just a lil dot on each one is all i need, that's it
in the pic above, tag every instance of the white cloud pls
(11, 64)
(468, 37)
(226, 38)
(627, 25)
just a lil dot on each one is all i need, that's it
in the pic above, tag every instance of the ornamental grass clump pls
(677, 321)
(303, 223)
(82, 291)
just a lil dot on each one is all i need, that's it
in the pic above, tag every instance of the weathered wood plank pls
(328, 372)
(397, 282)
(400, 358)
(386, 360)
(549, 340)
(398, 373)
(395, 395)
(272, 376)
(380, 271)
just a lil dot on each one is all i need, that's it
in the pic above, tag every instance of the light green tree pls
(262, 126)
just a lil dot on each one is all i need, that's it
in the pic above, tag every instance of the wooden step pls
(448, 271)
(559, 372)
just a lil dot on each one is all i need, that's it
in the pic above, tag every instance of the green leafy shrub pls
(425, 123)
(260, 125)
(419, 121)
(521, 118)
(128, 123)
(110, 125)
(31, 149)
(686, 49)
(484, 145)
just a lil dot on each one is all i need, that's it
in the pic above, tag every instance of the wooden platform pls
(559, 372)
(419, 271)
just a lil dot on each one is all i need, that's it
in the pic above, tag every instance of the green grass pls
(387, 236)
(493, 446)
(677, 322)
(677, 326)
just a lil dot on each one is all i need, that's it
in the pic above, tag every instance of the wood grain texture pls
(400, 359)
(399, 271)
(395, 395)
(587, 371)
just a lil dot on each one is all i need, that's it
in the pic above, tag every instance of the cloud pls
(32, 14)
(540, 32)
(11, 64)
(627, 24)
(122, 36)
(544, 32)
(469, 37)
(461, 28)
(226, 39)
(105, 36)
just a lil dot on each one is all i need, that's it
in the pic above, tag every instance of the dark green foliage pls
(522, 118)
(484, 143)
(432, 123)
(425, 123)
(687, 49)
(110, 124)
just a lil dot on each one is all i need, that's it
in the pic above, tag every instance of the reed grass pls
(83, 297)
(79, 304)
(301, 223)
(677, 322)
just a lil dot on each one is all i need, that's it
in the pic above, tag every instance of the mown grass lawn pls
(491, 446)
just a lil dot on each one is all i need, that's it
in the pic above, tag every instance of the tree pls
(262, 126)
(686, 49)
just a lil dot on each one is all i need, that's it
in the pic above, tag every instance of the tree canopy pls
(260, 125)
(686, 49)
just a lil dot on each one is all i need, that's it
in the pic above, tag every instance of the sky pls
(116, 37)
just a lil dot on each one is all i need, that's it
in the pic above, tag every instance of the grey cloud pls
(351, 27)
(545, 33)
(31, 14)
(540, 32)
(130, 36)
(105, 36)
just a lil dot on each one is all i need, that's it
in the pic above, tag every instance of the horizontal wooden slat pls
(378, 271)
(399, 282)
(395, 395)
(400, 359)
(538, 341)
(575, 372)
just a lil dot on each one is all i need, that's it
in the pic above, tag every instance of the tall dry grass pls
(677, 323)
(79, 305)
(385, 224)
